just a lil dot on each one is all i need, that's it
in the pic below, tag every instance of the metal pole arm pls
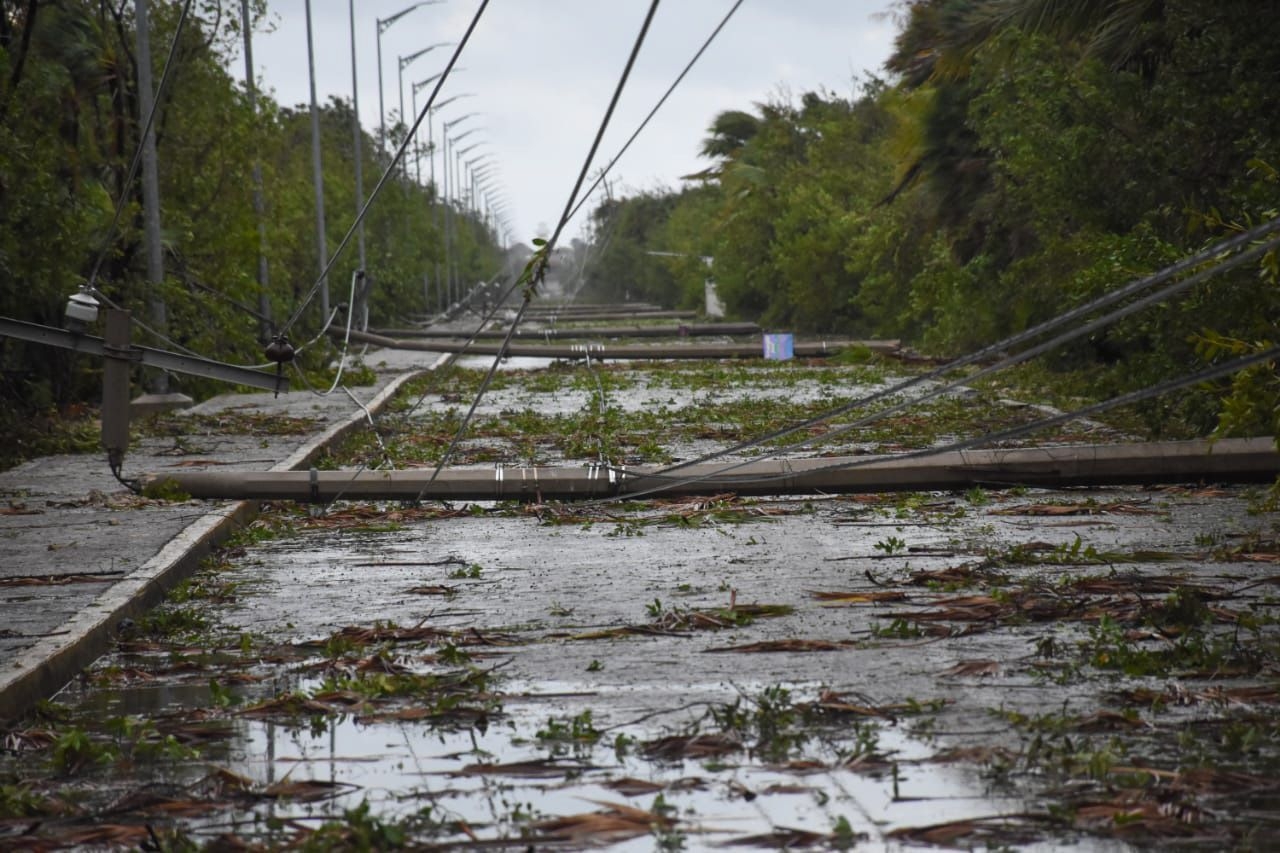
(162, 359)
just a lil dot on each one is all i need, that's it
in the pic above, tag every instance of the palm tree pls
(730, 131)
(939, 37)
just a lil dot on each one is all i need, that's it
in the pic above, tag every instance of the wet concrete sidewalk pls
(79, 552)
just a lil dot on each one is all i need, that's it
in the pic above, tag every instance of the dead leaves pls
(858, 597)
(995, 831)
(546, 768)
(1177, 694)
(355, 635)
(971, 669)
(615, 822)
(679, 621)
(679, 747)
(1087, 508)
(793, 646)
(832, 704)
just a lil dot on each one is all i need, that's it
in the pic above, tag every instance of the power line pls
(535, 273)
(1185, 381)
(1244, 257)
(999, 347)
(679, 78)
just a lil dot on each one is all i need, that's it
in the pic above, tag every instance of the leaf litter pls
(1028, 589)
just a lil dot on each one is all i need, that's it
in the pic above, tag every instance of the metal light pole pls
(430, 132)
(448, 214)
(383, 25)
(405, 62)
(259, 204)
(357, 133)
(456, 183)
(467, 164)
(435, 188)
(417, 87)
(471, 170)
(150, 186)
(322, 250)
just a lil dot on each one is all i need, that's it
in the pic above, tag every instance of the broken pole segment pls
(1251, 460)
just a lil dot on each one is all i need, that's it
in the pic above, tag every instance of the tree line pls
(69, 128)
(1017, 158)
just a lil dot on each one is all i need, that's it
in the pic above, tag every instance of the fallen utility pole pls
(568, 317)
(1252, 460)
(593, 307)
(618, 352)
(683, 330)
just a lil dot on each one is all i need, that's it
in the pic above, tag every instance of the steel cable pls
(1185, 381)
(1029, 334)
(536, 272)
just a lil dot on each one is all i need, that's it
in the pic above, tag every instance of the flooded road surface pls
(1017, 668)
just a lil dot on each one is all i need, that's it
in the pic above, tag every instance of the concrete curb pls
(40, 671)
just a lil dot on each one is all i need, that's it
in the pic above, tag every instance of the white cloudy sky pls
(541, 73)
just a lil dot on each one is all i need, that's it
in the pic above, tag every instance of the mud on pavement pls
(1009, 668)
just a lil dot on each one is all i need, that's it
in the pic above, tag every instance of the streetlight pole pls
(431, 146)
(383, 25)
(418, 87)
(448, 213)
(259, 205)
(405, 62)
(467, 164)
(322, 250)
(435, 188)
(456, 182)
(357, 133)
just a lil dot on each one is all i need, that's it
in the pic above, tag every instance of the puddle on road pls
(891, 671)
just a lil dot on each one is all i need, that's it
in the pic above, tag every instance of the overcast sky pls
(540, 74)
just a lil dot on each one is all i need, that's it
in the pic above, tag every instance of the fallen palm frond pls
(994, 831)
(616, 822)
(973, 755)
(832, 704)
(677, 747)
(768, 646)
(545, 768)
(789, 838)
(858, 597)
(971, 669)
(355, 635)
(1087, 508)
(680, 621)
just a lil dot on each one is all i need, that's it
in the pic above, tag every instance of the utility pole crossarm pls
(162, 359)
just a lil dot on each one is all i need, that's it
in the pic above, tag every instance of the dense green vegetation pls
(69, 128)
(1019, 158)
